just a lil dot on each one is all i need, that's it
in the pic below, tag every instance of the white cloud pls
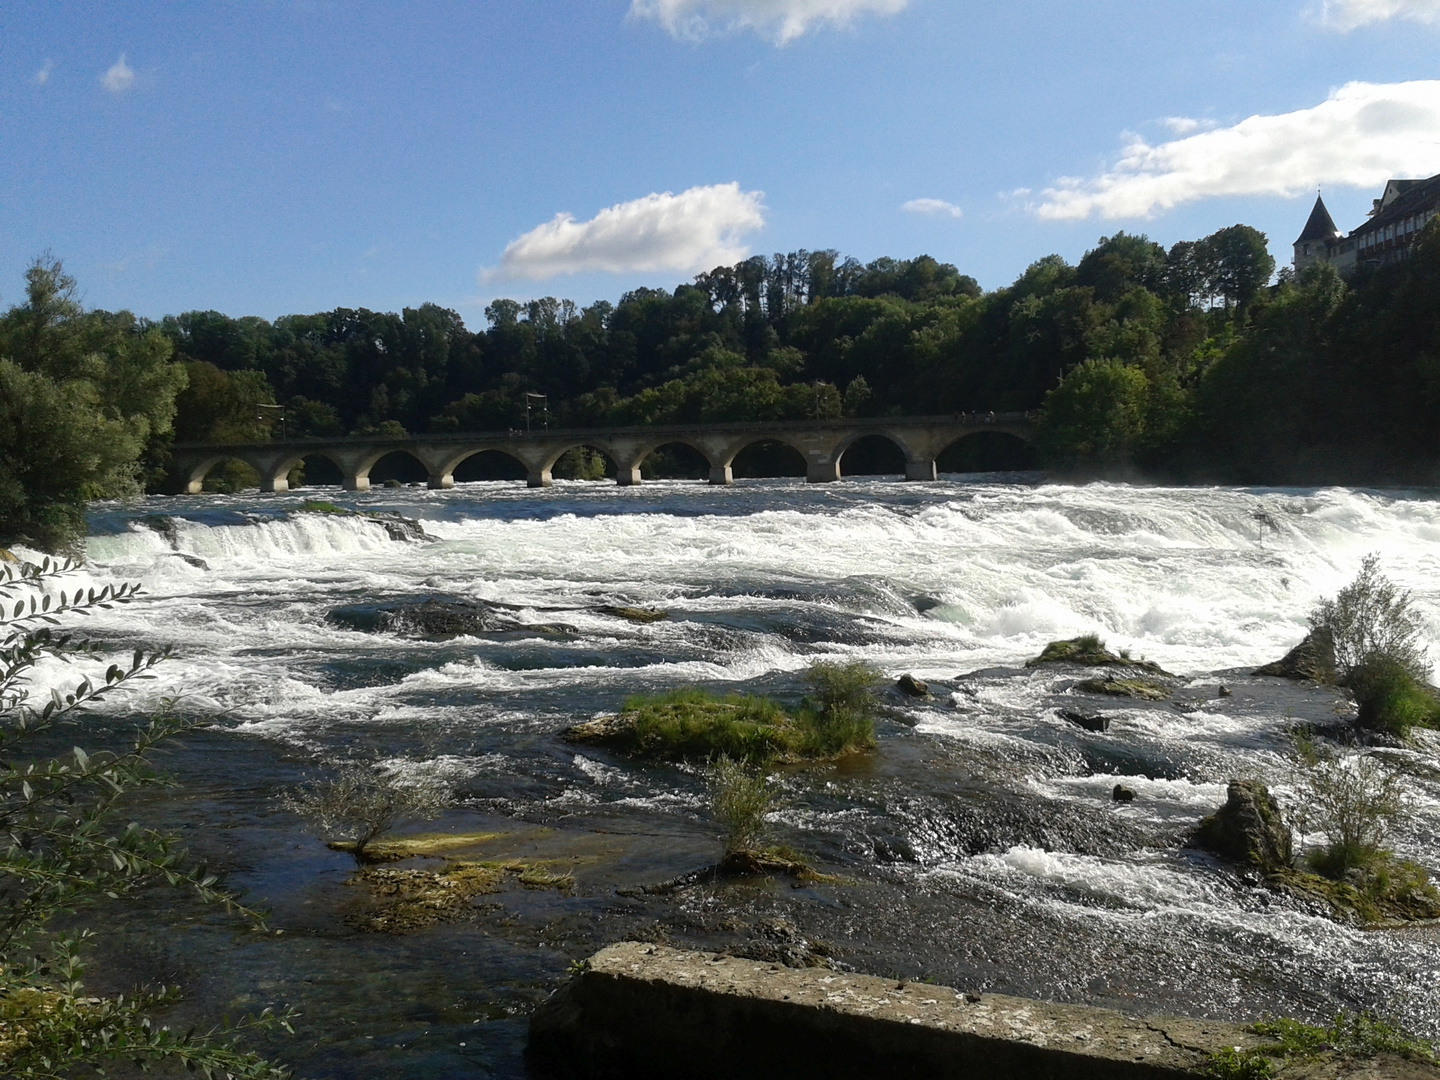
(1349, 14)
(1361, 135)
(119, 78)
(780, 21)
(696, 230)
(43, 75)
(936, 207)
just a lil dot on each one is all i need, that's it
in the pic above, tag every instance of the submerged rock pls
(398, 525)
(1144, 689)
(635, 614)
(1313, 660)
(1089, 651)
(434, 618)
(1088, 721)
(159, 523)
(1248, 829)
(1121, 793)
(912, 687)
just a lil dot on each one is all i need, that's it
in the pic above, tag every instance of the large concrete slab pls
(642, 1010)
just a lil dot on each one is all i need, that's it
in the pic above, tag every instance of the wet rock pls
(1225, 691)
(1248, 829)
(398, 526)
(393, 484)
(1121, 793)
(193, 560)
(1089, 651)
(1143, 689)
(912, 687)
(1088, 721)
(777, 941)
(635, 614)
(161, 524)
(1312, 660)
(926, 603)
(436, 619)
(994, 824)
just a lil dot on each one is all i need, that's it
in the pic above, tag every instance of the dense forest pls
(1192, 364)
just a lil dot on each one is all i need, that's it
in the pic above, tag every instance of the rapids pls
(978, 847)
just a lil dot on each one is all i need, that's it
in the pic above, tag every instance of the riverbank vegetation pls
(66, 848)
(835, 719)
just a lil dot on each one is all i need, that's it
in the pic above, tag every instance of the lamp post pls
(260, 415)
(544, 406)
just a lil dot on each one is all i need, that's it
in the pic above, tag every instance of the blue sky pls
(269, 158)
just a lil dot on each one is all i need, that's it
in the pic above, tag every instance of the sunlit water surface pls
(978, 847)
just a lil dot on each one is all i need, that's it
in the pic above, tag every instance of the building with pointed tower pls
(1396, 220)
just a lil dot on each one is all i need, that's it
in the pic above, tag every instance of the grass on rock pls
(696, 725)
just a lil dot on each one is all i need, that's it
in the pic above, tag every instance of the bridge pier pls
(538, 478)
(721, 474)
(356, 483)
(822, 472)
(274, 485)
(627, 475)
(440, 481)
(920, 470)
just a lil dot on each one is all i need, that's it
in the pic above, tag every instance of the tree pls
(63, 847)
(82, 396)
(1095, 417)
(1239, 263)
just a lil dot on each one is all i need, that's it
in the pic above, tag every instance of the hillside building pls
(1394, 222)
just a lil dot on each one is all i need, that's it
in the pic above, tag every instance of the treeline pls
(1186, 364)
(777, 338)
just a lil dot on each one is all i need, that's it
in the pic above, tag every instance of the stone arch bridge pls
(822, 443)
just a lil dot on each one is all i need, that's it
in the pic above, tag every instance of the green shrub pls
(360, 805)
(839, 714)
(1391, 698)
(1370, 618)
(1352, 799)
(740, 797)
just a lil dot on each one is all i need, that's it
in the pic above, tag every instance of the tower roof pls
(1321, 225)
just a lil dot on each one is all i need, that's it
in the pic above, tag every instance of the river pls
(977, 847)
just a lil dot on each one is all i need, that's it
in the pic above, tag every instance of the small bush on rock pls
(362, 804)
(839, 714)
(1372, 618)
(1352, 799)
(740, 797)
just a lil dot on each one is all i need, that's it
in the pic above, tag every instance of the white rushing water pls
(762, 579)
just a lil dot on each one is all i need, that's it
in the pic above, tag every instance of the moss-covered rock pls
(697, 726)
(1143, 689)
(1248, 829)
(1089, 651)
(1387, 892)
(427, 845)
(402, 901)
(1312, 660)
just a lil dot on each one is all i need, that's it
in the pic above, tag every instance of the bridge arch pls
(485, 463)
(764, 456)
(589, 459)
(684, 459)
(331, 471)
(873, 453)
(997, 449)
(356, 470)
(238, 474)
